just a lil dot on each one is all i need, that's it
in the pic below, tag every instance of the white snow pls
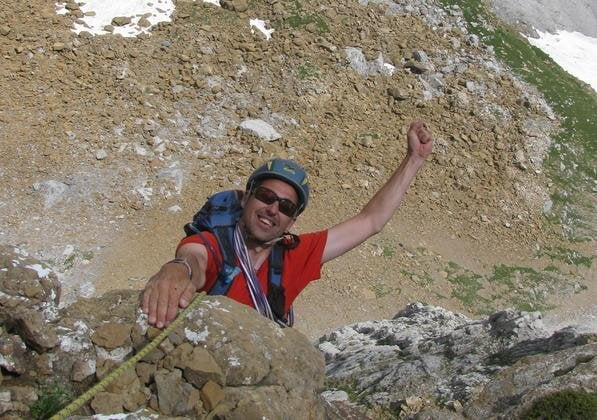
(41, 271)
(260, 25)
(102, 12)
(574, 52)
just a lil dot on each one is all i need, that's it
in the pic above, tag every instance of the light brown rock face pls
(224, 359)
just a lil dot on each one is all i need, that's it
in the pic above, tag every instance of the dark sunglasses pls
(268, 197)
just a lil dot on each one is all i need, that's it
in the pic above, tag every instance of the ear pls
(245, 199)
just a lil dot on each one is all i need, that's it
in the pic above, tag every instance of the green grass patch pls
(571, 161)
(522, 288)
(308, 71)
(567, 256)
(301, 19)
(354, 396)
(466, 288)
(52, 399)
(564, 405)
(380, 290)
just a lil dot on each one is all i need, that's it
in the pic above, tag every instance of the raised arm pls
(171, 288)
(378, 211)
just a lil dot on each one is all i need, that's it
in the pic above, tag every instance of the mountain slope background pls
(111, 144)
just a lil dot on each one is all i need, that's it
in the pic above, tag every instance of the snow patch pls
(574, 52)
(42, 272)
(260, 25)
(99, 13)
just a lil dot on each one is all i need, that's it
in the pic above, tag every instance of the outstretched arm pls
(374, 216)
(171, 287)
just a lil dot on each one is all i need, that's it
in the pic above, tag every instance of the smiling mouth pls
(265, 221)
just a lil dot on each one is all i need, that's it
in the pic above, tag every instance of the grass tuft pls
(53, 398)
(564, 405)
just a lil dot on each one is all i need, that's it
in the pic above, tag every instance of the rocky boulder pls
(430, 361)
(223, 360)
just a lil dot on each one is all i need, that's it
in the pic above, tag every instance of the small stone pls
(121, 20)
(108, 28)
(107, 403)
(145, 372)
(367, 140)
(456, 406)
(260, 128)
(82, 369)
(201, 368)
(211, 395)
(112, 335)
(26, 394)
(4, 30)
(235, 5)
(397, 94)
(101, 154)
(35, 331)
(144, 23)
(421, 56)
(58, 46)
(484, 218)
(417, 67)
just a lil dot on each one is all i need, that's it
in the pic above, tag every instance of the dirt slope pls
(109, 145)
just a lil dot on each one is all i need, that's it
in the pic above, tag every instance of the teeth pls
(266, 221)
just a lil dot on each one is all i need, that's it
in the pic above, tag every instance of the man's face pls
(265, 222)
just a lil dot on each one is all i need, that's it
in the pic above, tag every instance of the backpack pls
(219, 215)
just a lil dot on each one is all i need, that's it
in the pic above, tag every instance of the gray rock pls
(175, 396)
(52, 191)
(261, 129)
(366, 68)
(101, 154)
(439, 355)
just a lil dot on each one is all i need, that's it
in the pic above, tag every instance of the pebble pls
(260, 128)
(101, 154)
(144, 23)
(121, 20)
(397, 94)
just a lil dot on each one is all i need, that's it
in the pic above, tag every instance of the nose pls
(273, 209)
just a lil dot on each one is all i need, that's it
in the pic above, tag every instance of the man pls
(270, 206)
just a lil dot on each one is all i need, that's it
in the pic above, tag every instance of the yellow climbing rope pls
(100, 386)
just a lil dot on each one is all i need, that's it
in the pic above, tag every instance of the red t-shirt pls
(301, 266)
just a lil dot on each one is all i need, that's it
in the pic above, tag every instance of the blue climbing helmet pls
(287, 171)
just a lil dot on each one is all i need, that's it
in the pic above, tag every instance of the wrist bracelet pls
(183, 262)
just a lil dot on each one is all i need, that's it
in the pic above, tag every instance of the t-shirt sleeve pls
(311, 250)
(212, 270)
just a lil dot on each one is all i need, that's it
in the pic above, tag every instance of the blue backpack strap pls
(228, 268)
(275, 292)
(219, 215)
